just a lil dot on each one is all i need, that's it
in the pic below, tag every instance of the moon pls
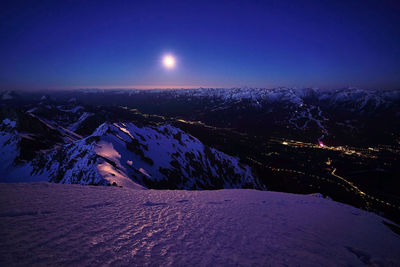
(169, 61)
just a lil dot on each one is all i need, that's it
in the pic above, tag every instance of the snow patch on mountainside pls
(10, 170)
(108, 171)
(8, 145)
(7, 95)
(304, 114)
(74, 109)
(74, 126)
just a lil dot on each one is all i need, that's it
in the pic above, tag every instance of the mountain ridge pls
(137, 157)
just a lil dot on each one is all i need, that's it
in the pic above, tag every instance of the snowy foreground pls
(53, 224)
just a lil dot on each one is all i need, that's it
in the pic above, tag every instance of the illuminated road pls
(347, 185)
(348, 182)
(363, 193)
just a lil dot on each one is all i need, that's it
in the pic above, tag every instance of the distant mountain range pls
(341, 117)
(352, 98)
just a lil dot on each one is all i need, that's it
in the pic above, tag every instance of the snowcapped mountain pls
(153, 157)
(120, 153)
(295, 95)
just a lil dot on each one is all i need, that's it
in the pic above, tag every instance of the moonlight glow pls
(169, 61)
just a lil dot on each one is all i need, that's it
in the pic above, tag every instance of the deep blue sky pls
(72, 44)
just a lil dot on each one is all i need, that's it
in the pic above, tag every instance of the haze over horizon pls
(121, 44)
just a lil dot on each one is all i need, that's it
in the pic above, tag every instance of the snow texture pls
(53, 224)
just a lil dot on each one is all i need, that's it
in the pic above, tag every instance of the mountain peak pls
(127, 155)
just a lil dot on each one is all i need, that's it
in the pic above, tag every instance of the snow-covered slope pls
(118, 154)
(148, 156)
(52, 224)
(9, 144)
(22, 138)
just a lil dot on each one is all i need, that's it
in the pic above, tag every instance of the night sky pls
(120, 44)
